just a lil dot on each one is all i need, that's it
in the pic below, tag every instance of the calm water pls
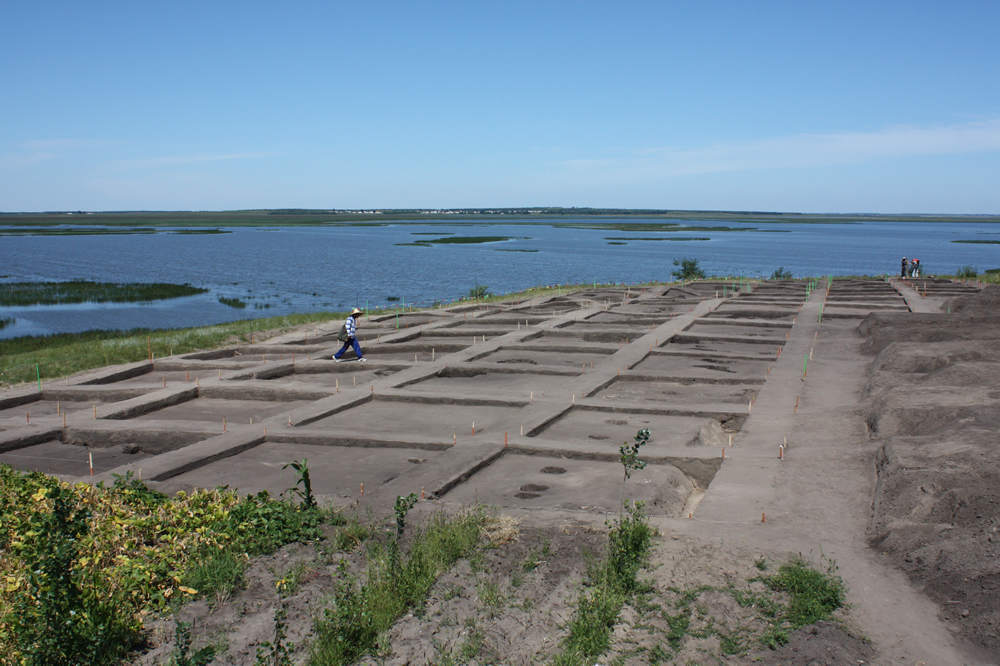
(296, 269)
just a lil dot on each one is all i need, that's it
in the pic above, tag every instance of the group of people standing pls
(910, 270)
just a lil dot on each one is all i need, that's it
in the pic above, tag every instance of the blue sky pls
(798, 106)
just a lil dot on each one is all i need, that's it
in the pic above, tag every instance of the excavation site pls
(847, 426)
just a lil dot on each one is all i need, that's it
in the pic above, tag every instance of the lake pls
(299, 269)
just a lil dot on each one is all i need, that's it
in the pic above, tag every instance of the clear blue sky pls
(793, 106)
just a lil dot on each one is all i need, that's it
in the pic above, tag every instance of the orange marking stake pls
(289, 419)
(422, 495)
(164, 382)
(64, 420)
(781, 452)
(28, 417)
(187, 375)
(362, 490)
(90, 459)
(220, 372)
(223, 424)
(473, 428)
(723, 453)
(505, 438)
(95, 411)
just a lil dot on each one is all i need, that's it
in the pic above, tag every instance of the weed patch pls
(396, 582)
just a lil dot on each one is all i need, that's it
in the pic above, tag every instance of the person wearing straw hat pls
(348, 333)
(902, 271)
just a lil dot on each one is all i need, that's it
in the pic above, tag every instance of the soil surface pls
(854, 426)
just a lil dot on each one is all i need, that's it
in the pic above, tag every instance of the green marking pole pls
(397, 320)
(805, 365)
(38, 373)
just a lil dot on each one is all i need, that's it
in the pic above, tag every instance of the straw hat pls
(356, 311)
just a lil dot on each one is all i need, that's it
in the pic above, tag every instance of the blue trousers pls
(349, 343)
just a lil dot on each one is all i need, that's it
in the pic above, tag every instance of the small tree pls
(781, 274)
(479, 291)
(630, 454)
(688, 270)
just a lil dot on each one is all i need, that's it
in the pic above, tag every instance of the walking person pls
(348, 334)
(902, 271)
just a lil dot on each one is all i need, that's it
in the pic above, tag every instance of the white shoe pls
(362, 360)
(335, 359)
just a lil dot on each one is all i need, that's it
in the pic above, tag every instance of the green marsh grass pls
(233, 302)
(6, 321)
(83, 291)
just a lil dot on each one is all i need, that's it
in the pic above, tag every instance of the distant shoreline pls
(380, 217)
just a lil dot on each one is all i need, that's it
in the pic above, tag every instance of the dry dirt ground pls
(879, 398)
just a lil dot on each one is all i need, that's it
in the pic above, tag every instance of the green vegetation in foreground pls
(611, 582)
(233, 302)
(978, 242)
(69, 353)
(395, 582)
(665, 238)
(82, 564)
(82, 291)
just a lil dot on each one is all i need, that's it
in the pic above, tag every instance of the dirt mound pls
(820, 644)
(933, 404)
(986, 301)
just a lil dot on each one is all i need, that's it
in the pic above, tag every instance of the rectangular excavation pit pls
(480, 381)
(330, 339)
(675, 393)
(154, 378)
(521, 480)
(616, 318)
(333, 470)
(29, 412)
(345, 375)
(444, 418)
(213, 410)
(703, 435)
(750, 333)
(56, 457)
(517, 357)
(721, 349)
(706, 367)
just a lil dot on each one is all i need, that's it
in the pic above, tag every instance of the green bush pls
(59, 616)
(688, 270)
(781, 274)
(967, 272)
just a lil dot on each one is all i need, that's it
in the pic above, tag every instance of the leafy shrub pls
(781, 274)
(968, 272)
(479, 291)
(688, 270)
(110, 554)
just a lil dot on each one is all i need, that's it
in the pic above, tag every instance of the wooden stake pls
(473, 428)
(95, 411)
(64, 420)
(90, 459)
(362, 490)
(164, 382)
(763, 518)
(505, 439)
(187, 375)
(723, 453)
(223, 424)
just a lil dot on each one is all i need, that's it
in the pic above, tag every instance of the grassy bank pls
(68, 353)
(84, 291)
